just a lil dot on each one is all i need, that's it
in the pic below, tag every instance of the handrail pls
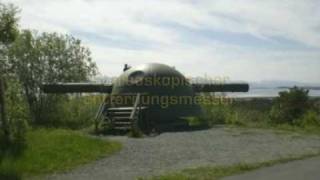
(98, 116)
(99, 113)
(135, 106)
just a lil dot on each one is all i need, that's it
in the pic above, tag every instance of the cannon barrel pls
(107, 88)
(76, 88)
(223, 87)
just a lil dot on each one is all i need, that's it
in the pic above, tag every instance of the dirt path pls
(175, 151)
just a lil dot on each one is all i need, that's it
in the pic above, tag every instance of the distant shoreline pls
(304, 87)
(265, 98)
(269, 92)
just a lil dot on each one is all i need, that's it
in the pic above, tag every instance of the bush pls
(73, 112)
(234, 118)
(63, 111)
(290, 106)
(214, 114)
(309, 119)
(240, 112)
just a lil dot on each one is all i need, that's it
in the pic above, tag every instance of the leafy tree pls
(290, 106)
(48, 58)
(8, 33)
(8, 25)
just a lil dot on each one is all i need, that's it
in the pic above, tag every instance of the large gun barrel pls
(223, 87)
(107, 88)
(76, 88)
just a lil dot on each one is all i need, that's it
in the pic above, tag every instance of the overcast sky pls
(248, 40)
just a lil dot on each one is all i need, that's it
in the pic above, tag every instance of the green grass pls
(52, 150)
(217, 172)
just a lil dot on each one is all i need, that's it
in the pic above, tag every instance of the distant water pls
(268, 92)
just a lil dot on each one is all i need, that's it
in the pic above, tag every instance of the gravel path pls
(307, 169)
(175, 151)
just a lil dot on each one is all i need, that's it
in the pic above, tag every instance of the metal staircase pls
(122, 118)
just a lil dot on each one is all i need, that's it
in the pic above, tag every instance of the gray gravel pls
(174, 151)
(307, 169)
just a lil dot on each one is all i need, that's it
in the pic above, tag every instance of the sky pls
(250, 40)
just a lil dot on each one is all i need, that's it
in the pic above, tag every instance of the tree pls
(8, 33)
(290, 105)
(48, 58)
(8, 25)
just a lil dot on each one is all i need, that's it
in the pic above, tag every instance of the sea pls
(267, 92)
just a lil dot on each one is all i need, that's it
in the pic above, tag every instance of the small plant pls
(135, 133)
(197, 121)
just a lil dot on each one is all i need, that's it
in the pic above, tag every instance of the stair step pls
(123, 127)
(121, 118)
(124, 108)
(119, 113)
(120, 109)
(122, 123)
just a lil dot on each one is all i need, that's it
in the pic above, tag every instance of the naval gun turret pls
(148, 96)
